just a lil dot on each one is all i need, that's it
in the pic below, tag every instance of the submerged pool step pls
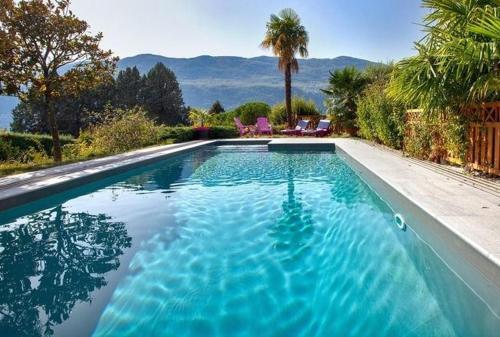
(302, 144)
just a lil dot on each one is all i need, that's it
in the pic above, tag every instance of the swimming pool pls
(227, 241)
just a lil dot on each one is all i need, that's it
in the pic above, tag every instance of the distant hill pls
(231, 80)
(235, 80)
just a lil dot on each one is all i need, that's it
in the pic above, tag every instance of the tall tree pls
(161, 96)
(72, 111)
(44, 38)
(286, 37)
(128, 87)
(216, 108)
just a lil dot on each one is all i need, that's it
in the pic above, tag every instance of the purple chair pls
(243, 129)
(301, 126)
(322, 130)
(263, 126)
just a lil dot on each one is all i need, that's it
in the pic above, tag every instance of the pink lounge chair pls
(301, 126)
(243, 129)
(263, 126)
(322, 130)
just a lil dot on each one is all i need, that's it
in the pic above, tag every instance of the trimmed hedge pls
(186, 133)
(20, 142)
(220, 132)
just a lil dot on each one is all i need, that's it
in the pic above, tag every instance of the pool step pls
(302, 144)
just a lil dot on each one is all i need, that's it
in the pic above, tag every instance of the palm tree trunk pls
(288, 94)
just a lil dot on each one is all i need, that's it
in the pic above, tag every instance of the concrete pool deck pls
(458, 214)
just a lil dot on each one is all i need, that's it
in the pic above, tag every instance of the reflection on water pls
(51, 260)
(294, 228)
(226, 241)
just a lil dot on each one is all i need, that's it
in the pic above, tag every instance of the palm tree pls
(458, 61)
(345, 86)
(286, 37)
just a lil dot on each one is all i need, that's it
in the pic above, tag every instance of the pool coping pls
(401, 191)
(465, 235)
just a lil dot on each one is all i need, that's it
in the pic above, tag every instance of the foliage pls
(127, 130)
(221, 132)
(438, 137)
(73, 112)
(161, 96)
(43, 37)
(177, 134)
(128, 87)
(458, 61)
(77, 112)
(216, 108)
(300, 107)
(200, 117)
(287, 37)
(224, 118)
(345, 86)
(379, 117)
(21, 142)
(249, 112)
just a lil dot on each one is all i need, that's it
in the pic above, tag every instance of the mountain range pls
(229, 79)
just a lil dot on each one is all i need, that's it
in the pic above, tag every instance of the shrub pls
(200, 117)
(438, 137)
(177, 134)
(224, 119)
(131, 129)
(303, 107)
(220, 132)
(380, 118)
(300, 107)
(278, 114)
(25, 141)
(249, 112)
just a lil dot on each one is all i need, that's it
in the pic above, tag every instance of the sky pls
(377, 30)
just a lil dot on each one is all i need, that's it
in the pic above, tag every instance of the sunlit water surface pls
(228, 241)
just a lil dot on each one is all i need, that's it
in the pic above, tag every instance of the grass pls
(42, 162)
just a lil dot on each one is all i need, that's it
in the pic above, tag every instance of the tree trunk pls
(56, 143)
(288, 94)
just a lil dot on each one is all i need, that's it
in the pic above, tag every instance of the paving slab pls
(459, 221)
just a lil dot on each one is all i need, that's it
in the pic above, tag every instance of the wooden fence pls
(484, 137)
(483, 133)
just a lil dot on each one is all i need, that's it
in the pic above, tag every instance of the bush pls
(224, 119)
(177, 134)
(380, 118)
(220, 132)
(25, 141)
(438, 137)
(249, 112)
(300, 107)
(131, 129)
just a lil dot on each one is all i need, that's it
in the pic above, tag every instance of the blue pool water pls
(227, 241)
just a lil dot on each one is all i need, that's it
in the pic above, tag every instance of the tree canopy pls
(48, 52)
(161, 96)
(458, 60)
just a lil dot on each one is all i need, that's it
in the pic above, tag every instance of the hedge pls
(220, 132)
(186, 133)
(20, 142)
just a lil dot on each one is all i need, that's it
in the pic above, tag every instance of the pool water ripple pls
(254, 243)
